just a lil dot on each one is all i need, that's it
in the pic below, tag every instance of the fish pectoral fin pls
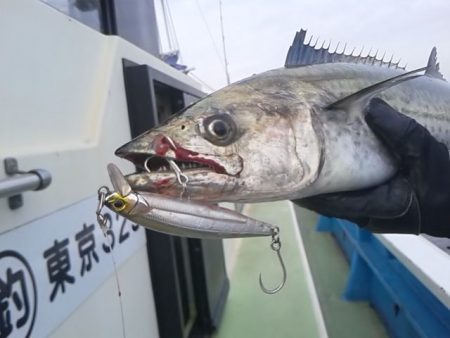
(433, 66)
(364, 95)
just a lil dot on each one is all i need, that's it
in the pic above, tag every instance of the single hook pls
(182, 178)
(275, 246)
(146, 164)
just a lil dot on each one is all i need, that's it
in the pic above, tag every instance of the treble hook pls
(275, 246)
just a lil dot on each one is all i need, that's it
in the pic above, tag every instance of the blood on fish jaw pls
(187, 158)
(161, 183)
(162, 144)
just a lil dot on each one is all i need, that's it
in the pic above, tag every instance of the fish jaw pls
(202, 185)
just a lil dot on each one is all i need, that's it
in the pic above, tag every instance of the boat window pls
(85, 11)
(135, 21)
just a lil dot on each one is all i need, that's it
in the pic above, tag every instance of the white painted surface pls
(63, 108)
(100, 315)
(308, 276)
(68, 259)
(426, 261)
(231, 245)
(230, 250)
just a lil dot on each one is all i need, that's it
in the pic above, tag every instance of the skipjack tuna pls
(288, 133)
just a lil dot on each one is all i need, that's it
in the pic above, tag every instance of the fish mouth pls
(158, 164)
(153, 158)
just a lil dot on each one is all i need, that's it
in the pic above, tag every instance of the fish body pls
(272, 136)
(289, 133)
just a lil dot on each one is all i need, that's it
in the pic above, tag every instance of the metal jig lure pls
(183, 217)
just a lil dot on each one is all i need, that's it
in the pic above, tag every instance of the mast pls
(223, 44)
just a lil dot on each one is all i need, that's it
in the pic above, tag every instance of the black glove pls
(416, 200)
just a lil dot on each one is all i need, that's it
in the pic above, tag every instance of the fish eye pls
(219, 129)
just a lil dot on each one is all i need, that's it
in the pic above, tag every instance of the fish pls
(179, 217)
(288, 133)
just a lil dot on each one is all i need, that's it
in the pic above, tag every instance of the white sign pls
(50, 266)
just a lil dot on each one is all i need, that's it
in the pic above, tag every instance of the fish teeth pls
(185, 166)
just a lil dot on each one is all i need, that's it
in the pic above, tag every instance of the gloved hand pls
(416, 200)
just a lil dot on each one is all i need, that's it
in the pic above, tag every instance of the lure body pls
(174, 216)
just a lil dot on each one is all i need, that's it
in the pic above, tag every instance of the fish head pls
(238, 144)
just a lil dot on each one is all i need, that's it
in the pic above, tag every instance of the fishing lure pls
(186, 218)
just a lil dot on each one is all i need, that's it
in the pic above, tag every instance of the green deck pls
(249, 313)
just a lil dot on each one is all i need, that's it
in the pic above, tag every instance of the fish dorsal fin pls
(433, 66)
(302, 54)
(365, 94)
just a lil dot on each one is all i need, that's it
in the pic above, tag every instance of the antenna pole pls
(166, 25)
(223, 44)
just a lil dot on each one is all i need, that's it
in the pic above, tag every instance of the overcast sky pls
(258, 33)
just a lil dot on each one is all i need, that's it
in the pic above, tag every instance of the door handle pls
(19, 182)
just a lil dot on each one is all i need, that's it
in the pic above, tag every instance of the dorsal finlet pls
(433, 66)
